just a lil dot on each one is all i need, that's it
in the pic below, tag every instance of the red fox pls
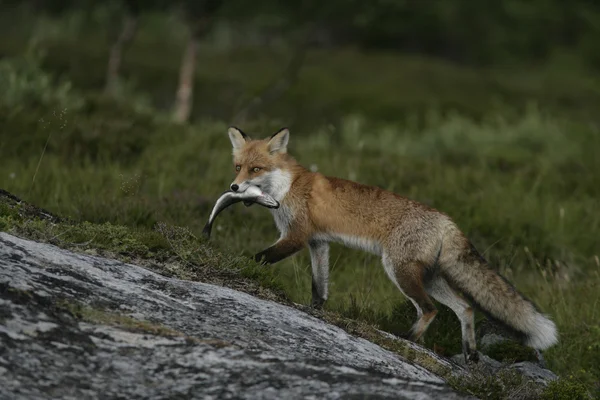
(423, 251)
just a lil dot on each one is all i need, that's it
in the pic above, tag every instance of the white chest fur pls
(283, 217)
(278, 183)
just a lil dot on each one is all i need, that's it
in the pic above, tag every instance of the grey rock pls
(209, 342)
(533, 371)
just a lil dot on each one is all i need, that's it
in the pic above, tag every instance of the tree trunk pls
(116, 53)
(185, 91)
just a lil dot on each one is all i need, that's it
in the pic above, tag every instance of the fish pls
(249, 196)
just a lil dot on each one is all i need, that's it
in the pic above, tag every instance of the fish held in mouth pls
(249, 196)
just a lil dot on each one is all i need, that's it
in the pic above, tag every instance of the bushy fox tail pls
(469, 272)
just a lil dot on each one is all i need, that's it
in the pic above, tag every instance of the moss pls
(5, 223)
(510, 351)
(12, 206)
(505, 384)
(566, 388)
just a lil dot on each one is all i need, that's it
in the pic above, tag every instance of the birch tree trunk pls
(116, 53)
(185, 90)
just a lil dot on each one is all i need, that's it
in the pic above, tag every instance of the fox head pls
(263, 163)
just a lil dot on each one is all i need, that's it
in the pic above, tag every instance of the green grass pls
(521, 181)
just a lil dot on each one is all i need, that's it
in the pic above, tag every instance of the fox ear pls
(278, 142)
(237, 137)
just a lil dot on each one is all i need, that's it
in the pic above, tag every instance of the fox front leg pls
(319, 259)
(284, 248)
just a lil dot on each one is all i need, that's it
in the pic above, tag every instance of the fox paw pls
(317, 303)
(472, 357)
(412, 336)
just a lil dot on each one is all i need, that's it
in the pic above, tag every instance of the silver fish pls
(250, 196)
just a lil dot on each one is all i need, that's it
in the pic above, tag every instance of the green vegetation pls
(509, 351)
(511, 155)
(506, 384)
(565, 389)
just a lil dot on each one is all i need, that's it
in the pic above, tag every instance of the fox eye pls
(256, 169)
(237, 168)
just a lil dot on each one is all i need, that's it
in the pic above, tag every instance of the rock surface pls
(533, 371)
(197, 341)
(530, 370)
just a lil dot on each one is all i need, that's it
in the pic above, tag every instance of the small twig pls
(491, 245)
(60, 234)
(39, 163)
(85, 243)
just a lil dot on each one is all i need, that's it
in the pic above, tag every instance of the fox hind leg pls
(441, 291)
(319, 258)
(406, 277)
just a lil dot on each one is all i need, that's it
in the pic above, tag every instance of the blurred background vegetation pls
(118, 110)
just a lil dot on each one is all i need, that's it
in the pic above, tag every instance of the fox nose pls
(234, 187)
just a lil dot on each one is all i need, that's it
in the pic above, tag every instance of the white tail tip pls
(542, 333)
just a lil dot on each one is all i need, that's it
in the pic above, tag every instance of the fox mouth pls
(263, 201)
(270, 204)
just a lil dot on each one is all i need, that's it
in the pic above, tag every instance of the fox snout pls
(240, 187)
